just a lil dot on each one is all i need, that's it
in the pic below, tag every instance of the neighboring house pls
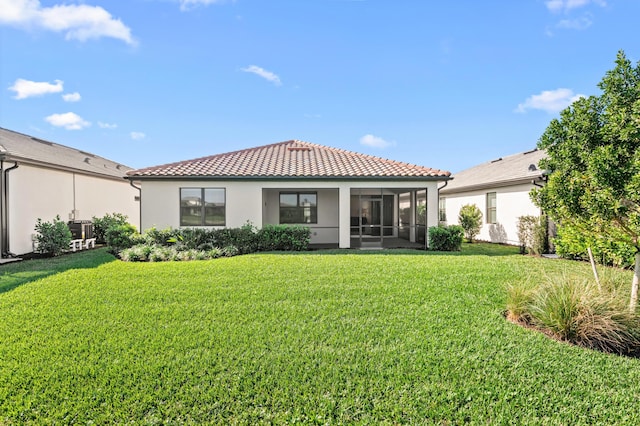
(500, 188)
(347, 199)
(42, 179)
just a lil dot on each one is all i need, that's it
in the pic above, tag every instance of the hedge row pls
(198, 243)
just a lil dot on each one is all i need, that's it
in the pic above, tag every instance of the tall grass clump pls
(576, 311)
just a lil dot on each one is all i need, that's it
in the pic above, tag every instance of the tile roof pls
(19, 147)
(290, 159)
(512, 169)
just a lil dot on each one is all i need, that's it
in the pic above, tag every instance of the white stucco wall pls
(36, 192)
(257, 202)
(511, 203)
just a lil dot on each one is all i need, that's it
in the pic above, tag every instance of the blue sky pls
(440, 84)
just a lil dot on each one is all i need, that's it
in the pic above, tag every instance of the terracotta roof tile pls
(287, 160)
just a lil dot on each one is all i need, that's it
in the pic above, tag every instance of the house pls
(42, 179)
(347, 199)
(500, 188)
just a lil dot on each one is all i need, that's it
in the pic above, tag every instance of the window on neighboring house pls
(442, 209)
(491, 208)
(298, 207)
(202, 206)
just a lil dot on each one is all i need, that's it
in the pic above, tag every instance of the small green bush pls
(446, 238)
(470, 219)
(120, 237)
(283, 237)
(101, 224)
(532, 234)
(52, 238)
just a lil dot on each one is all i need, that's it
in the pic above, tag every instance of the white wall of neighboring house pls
(38, 192)
(258, 203)
(511, 203)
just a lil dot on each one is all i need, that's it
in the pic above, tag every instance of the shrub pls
(230, 251)
(162, 254)
(532, 234)
(201, 243)
(243, 238)
(577, 312)
(446, 238)
(283, 237)
(470, 219)
(52, 238)
(101, 224)
(137, 253)
(572, 243)
(519, 297)
(120, 237)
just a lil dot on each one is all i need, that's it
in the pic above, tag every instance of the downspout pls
(139, 204)
(5, 210)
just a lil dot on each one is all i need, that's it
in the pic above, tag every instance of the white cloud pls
(136, 136)
(551, 101)
(106, 125)
(375, 142)
(71, 97)
(190, 4)
(68, 120)
(267, 75)
(581, 23)
(568, 5)
(27, 89)
(79, 22)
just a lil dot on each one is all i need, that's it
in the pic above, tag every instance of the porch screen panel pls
(421, 215)
(404, 215)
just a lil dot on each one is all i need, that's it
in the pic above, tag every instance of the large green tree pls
(594, 162)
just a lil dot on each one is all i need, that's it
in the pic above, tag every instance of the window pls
(202, 206)
(442, 209)
(298, 207)
(491, 207)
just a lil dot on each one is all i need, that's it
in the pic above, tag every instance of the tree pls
(470, 218)
(593, 157)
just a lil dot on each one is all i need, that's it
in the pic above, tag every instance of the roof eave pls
(488, 185)
(291, 178)
(44, 164)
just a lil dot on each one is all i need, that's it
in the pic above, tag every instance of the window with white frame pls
(491, 215)
(442, 209)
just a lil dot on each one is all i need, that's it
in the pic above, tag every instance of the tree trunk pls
(633, 302)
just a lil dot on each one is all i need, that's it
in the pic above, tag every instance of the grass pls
(322, 337)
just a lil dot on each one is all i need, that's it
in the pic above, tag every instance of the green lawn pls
(337, 337)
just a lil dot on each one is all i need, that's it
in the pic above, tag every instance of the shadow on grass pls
(475, 249)
(15, 274)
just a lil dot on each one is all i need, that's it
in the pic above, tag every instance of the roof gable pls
(19, 147)
(512, 169)
(290, 159)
